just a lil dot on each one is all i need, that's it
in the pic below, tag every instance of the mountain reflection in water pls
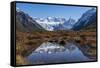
(49, 52)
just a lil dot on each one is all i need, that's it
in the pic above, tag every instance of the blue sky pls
(42, 10)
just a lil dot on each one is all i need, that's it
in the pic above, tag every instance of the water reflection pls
(56, 53)
(48, 47)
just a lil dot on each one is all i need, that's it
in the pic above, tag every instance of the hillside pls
(25, 23)
(87, 21)
(91, 27)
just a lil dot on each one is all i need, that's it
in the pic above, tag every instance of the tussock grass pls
(27, 42)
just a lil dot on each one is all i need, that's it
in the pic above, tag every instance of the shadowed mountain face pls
(25, 23)
(87, 21)
(91, 27)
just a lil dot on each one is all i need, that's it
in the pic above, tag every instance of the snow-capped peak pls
(49, 20)
(17, 9)
(51, 23)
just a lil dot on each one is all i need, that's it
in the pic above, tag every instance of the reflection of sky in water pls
(55, 53)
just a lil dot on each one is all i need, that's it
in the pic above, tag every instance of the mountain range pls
(55, 23)
(24, 22)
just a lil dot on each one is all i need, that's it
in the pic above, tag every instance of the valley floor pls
(27, 42)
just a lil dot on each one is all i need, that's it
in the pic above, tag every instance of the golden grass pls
(20, 60)
(27, 42)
